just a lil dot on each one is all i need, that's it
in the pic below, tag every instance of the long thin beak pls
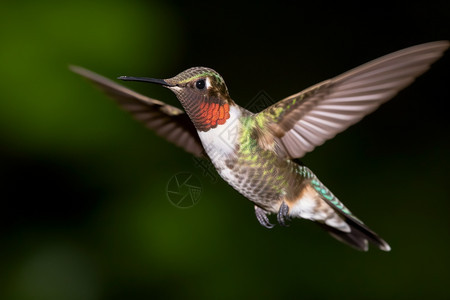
(145, 79)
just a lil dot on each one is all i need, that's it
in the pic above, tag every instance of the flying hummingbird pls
(261, 159)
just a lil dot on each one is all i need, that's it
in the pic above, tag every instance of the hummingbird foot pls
(283, 214)
(261, 215)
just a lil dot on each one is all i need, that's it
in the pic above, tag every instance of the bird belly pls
(263, 180)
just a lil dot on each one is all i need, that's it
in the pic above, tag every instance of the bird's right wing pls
(308, 119)
(168, 121)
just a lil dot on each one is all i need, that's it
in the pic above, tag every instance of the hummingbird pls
(261, 158)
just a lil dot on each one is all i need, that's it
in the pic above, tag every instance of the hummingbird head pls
(201, 91)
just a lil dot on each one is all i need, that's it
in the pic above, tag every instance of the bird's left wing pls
(168, 121)
(307, 119)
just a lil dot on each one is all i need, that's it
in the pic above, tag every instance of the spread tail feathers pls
(358, 237)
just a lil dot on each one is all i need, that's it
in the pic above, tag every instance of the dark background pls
(84, 211)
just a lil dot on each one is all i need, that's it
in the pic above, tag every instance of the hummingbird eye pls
(200, 84)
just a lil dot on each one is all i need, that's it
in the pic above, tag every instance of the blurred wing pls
(307, 119)
(168, 121)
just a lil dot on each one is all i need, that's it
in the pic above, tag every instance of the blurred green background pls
(84, 209)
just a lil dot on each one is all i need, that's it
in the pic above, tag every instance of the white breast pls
(220, 142)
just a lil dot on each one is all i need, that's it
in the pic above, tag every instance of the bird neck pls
(209, 113)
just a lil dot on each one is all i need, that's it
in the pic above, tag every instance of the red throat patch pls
(212, 114)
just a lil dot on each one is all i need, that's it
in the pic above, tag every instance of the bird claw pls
(261, 216)
(283, 214)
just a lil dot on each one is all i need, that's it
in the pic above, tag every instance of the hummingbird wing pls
(307, 119)
(168, 121)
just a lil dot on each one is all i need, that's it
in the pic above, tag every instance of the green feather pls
(325, 193)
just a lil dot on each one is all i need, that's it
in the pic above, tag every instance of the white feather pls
(221, 141)
(306, 208)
